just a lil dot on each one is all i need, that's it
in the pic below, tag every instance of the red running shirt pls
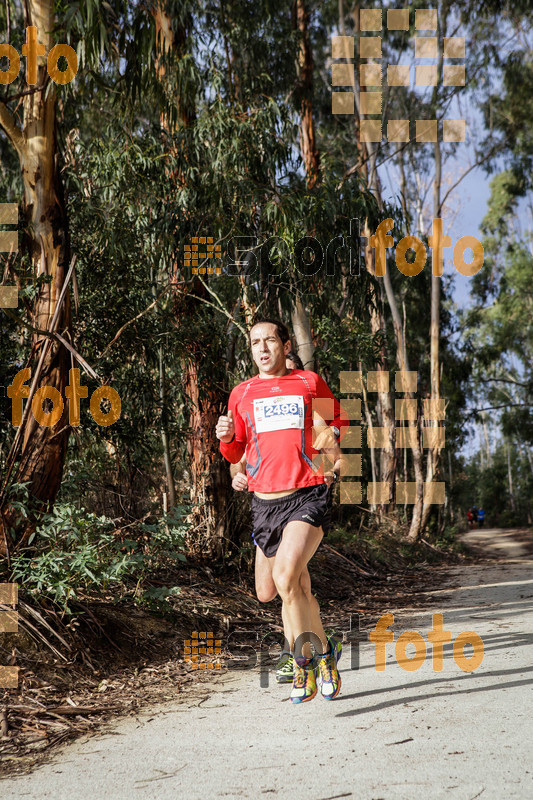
(273, 424)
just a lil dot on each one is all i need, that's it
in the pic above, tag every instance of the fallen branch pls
(39, 636)
(431, 547)
(349, 560)
(41, 619)
(73, 711)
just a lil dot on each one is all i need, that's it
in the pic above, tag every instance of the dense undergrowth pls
(75, 555)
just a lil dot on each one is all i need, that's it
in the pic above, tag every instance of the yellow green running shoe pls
(285, 668)
(330, 680)
(304, 681)
(337, 644)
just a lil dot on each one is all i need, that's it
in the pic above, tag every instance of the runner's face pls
(268, 351)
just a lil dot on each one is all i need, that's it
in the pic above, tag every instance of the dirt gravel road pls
(390, 734)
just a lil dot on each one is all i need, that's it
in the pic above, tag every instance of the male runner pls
(239, 481)
(270, 417)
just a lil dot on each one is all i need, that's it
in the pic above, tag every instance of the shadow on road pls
(418, 698)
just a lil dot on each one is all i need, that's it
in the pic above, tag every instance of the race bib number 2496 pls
(279, 413)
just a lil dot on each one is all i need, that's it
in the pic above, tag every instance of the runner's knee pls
(287, 582)
(305, 583)
(266, 592)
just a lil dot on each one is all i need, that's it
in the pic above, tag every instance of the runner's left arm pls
(336, 462)
(327, 414)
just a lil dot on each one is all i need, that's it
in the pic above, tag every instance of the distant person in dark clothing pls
(474, 514)
(481, 517)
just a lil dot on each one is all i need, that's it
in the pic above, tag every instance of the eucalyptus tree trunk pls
(384, 408)
(302, 333)
(403, 364)
(385, 411)
(209, 473)
(308, 147)
(434, 331)
(368, 420)
(301, 324)
(434, 335)
(386, 470)
(510, 476)
(47, 243)
(486, 437)
(163, 416)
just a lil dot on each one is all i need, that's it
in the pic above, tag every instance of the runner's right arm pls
(239, 476)
(232, 450)
(237, 469)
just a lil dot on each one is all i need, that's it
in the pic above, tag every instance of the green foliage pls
(498, 325)
(347, 345)
(488, 487)
(75, 553)
(156, 148)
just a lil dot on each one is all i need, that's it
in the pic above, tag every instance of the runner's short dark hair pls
(283, 331)
(291, 356)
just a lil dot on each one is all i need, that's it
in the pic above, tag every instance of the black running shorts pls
(270, 517)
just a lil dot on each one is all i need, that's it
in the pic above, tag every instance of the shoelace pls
(326, 667)
(300, 682)
(301, 676)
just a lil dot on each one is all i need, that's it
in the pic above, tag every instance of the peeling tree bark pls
(302, 333)
(434, 331)
(385, 409)
(308, 148)
(47, 241)
(367, 162)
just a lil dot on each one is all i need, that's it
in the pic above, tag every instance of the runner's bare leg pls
(266, 590)
(265, 587)
(316, 622)
(298, 545)
(305, 583)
